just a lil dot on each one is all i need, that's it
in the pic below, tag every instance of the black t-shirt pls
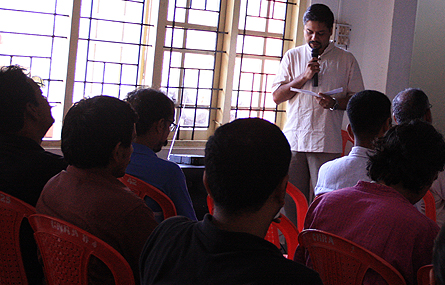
(25, 167)
(181, 251)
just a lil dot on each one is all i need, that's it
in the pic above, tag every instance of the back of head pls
(151, 106)
(319, 13)
(367, 111)
(410, 104)
(411, 153)
(15, 93)
(245, 161)
(439, 258)
(93, 127)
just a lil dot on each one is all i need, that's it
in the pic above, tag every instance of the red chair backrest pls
(345, 139)
(142, 189)
(66, 251)
(340, 261)
(423, 275)
(430, 205)
(12, 213)
(300, 202)
(288, 230)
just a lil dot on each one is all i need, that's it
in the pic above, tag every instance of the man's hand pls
(313, 66)
(325, 101)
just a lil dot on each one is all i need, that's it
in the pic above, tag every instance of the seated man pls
(247, 162)
(96, 141)
(379, 215)
(25, 167)
(25, 117)
(156, 114)
(410, 104)
(369, 114)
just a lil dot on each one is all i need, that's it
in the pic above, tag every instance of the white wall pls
(428, 61)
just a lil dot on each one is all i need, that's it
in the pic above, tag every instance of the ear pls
(350, 132)
(428, 117)
(206, 184)
(385, 127)
(395, 120)
(280, 191)
(116, 154)
(31, 111)
(160, 126)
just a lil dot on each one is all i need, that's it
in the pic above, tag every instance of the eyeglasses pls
(172, 125)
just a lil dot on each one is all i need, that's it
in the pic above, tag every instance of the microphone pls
(315, 77)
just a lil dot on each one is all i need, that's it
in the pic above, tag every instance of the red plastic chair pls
(67, 249)
(300, 202)
(142, 189)
(345, 139)
(423, 275)
(12, 213)
(430, 205)
(288, 230)
(340, 261)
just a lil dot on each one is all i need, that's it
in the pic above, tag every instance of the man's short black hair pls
(151, 105)
(93, 127)
(367, 111)
(410, 153)
(245, 161)
(410, 104)
(319, 13)
(15, 93)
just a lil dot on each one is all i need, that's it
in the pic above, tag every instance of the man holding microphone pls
(314, 123)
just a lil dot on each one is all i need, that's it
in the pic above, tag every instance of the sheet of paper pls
(332, 92)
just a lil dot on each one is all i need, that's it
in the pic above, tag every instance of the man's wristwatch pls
(335, 107)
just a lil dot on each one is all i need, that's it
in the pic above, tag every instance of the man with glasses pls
(156, 120)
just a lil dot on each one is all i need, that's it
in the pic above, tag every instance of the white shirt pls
(343, 172)
(310, 127)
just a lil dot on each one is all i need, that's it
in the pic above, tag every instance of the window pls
(215, 58)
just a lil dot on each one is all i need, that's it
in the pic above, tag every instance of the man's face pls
(43, 109)
(317, 35)
(164, 135)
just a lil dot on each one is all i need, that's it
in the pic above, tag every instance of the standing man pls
(156, 119)
(314, 123)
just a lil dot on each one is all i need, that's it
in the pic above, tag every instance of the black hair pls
(410, 153)
(15, 93)
(245, 161)
(93, 127)
(319, 13)
(151, 106)
(367, 111)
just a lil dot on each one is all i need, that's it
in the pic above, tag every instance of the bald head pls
(410, 104)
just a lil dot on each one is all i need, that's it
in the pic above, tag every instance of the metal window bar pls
(263, 93)
(49, 76)
(139, 43)
(185, 26)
